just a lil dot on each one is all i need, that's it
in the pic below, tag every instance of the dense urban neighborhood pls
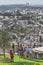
(21, 28)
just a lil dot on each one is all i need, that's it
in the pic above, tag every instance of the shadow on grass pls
(36, 60)
(1, 54)
(18, 63)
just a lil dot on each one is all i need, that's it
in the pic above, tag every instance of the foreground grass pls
(20, 61)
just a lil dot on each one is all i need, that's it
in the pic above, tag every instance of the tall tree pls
(4, 40)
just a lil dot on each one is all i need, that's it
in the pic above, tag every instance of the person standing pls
(13, 48)
(11, 55)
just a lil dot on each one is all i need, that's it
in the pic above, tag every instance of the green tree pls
(4, 40)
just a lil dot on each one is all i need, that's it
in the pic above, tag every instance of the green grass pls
(20, 61)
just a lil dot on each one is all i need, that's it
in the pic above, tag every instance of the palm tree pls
(4, 40)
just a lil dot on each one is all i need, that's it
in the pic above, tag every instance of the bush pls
(36, 64)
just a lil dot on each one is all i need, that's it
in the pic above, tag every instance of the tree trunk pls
(4, 53)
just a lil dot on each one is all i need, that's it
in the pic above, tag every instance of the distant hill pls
(37, 6)
(12, 7)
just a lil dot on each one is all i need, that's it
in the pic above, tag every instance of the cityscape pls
(21, 31)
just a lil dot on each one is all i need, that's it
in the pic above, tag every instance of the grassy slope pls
(21, 61)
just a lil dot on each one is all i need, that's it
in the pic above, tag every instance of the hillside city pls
(25, 26)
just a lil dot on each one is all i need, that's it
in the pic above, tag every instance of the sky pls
(31, 2)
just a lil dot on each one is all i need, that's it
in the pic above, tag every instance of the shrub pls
(36, 64)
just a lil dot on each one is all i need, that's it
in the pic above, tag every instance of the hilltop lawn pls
(20, 61)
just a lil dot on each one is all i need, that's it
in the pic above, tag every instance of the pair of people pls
(20, 50)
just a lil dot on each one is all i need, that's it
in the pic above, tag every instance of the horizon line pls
(22, 4)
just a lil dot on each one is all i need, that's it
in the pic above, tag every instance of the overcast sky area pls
(31, 2)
